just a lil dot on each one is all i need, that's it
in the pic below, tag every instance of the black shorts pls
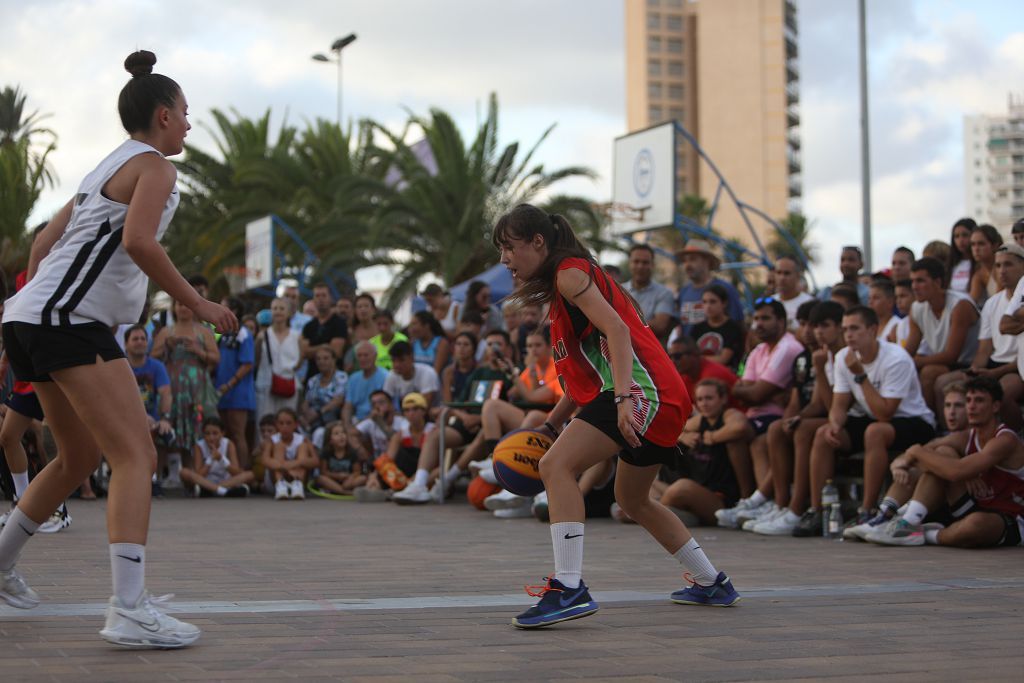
(37, 350)
(464, 432)
(602, 413)
(26, 404)
(1013, 525)
(761, 422)
(909, 432)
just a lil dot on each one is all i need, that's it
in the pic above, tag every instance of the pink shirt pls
(773, 365)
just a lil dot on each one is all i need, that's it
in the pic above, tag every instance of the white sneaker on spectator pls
(758, 513)
(15, 592)
(514, 513)
(58, 521)
(298, 490)
(437, 494)
(780, 524)
(146, 625)
(768, 512)
(282, 490)
(485, 468)
(727, 516)
(506, 500)
(413, 494)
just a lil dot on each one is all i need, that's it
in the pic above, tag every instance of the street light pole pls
(865, 138)
(336, 47)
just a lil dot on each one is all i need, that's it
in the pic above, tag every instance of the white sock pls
(20, 483)
(916, 512)
(16, 532)
(692, 557)
(567, 541)
(221, 490)
(757, 499)
(128, 570)
(931, 536)
(453, 474)
(421, 478)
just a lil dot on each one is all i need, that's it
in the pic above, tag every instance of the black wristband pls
(552, 428)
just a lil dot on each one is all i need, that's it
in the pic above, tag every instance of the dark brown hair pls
(146, 91)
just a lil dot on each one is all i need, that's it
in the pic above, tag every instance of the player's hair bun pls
(140, 63)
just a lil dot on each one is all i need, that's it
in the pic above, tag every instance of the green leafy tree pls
(798, 227)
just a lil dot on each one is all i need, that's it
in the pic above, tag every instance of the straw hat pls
(702, 247)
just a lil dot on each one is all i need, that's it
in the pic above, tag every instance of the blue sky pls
(931, 62)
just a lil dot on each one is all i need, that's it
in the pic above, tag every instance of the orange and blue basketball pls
(517, 461)
(479, 490)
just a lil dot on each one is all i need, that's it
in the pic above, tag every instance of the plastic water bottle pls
(835, 522)
(829, 500)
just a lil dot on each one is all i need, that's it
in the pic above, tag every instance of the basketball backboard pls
(644, 179)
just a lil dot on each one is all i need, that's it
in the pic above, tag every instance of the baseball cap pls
(414, 400)
(263, 317)
(1011, 248)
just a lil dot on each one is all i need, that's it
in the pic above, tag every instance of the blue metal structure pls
(283, 268)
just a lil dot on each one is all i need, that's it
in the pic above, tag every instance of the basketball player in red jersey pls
(633, 403)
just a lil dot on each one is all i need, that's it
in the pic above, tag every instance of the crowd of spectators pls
(901, 386)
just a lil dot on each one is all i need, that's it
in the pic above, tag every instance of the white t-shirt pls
(291, 451)
(1004, 346)
(935, 330)
(424, 380)
(378, 437)
(960, 278)
(893, 374)
(883, 332)
(903, 333)
(791, 307)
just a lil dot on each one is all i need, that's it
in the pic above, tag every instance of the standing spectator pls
(719, 337)
(985, 240)
(478, 300)
(325, 329)
(946, 319)
(363, 328)
(325, 391)
(851, 262)
(789, 276)
(386, 337)
(217, 471)
(408, 376)
(882, 300)
(234, 381)
(902, 259)
(1018, 232)
(699, 263)
(960, 262)
(154, 384)
(453, 379)
(656, 300)
(441, 306)
(299, 317)
(189, 351)
(362, 383)
(429, 341)
(345, 308)
(277, 353)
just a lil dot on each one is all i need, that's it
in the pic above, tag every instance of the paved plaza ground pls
(373, 592)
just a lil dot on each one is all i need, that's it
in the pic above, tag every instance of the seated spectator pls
(882, 300)
(996, 356)
(385, 337)
(936, 249)
(959, 261)
(290, 458)
(1017, 231)
(902, 259)
(366, 379)
(325, 391)
(851, 262)
(478, 300)
(407, 441)
(325, 329)
(657, 302)
(985, 240)
(877, 406)
(789, 279)
(453, 379)
(947, 320)
(381, 424)
(700, 263)
(790, 439)
(708, 482)
(845, 295)
(767, 377)
(344, 464)
(694, 367)
(217, 472)
(408, 376)
(429, 342)
(719, 338)
(984, 487)
(904, 293)
(473, 322)
(529, 320)
(904, 479)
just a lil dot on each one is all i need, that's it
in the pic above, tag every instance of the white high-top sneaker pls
(146, 625)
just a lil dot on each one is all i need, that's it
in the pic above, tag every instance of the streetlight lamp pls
(336, 47)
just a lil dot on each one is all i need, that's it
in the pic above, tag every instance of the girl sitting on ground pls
(216, 472)
(344, 463)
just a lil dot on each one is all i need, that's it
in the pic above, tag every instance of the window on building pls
(655, 114)
(675, 92)
(654, 90)
(676, 113)
(674, 22)
(653, 45)
(653, 67)
(675, 45)
(653, 3)
(675, 68)
(674, 3)
(653, 20)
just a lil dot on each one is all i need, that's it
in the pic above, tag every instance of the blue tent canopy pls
(497, 277)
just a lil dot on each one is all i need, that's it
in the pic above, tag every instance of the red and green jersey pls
(584, 364)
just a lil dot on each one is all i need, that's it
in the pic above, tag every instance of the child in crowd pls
(344, 464)
(289, 458)
(217, 472)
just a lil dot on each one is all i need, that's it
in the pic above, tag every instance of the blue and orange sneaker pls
(557, 603)
(719, 594)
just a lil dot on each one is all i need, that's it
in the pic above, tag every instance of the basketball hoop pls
(624, 217)
(236, 277)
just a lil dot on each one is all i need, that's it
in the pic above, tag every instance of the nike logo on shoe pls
(566, 601)
(568, 536)
(136, 560)
(151, 626)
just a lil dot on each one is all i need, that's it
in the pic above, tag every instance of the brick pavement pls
(814, 609)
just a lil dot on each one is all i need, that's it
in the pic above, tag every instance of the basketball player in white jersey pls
(88, 272)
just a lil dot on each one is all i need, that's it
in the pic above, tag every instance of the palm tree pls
(449, 194)
(798, 229)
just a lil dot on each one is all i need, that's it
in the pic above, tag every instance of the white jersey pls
(88, 276)
(291, 451)
(217, 462)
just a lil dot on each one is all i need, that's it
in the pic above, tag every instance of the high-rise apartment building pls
(994, 166)
(727, 71)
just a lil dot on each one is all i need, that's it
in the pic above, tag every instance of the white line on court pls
(512, 599)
